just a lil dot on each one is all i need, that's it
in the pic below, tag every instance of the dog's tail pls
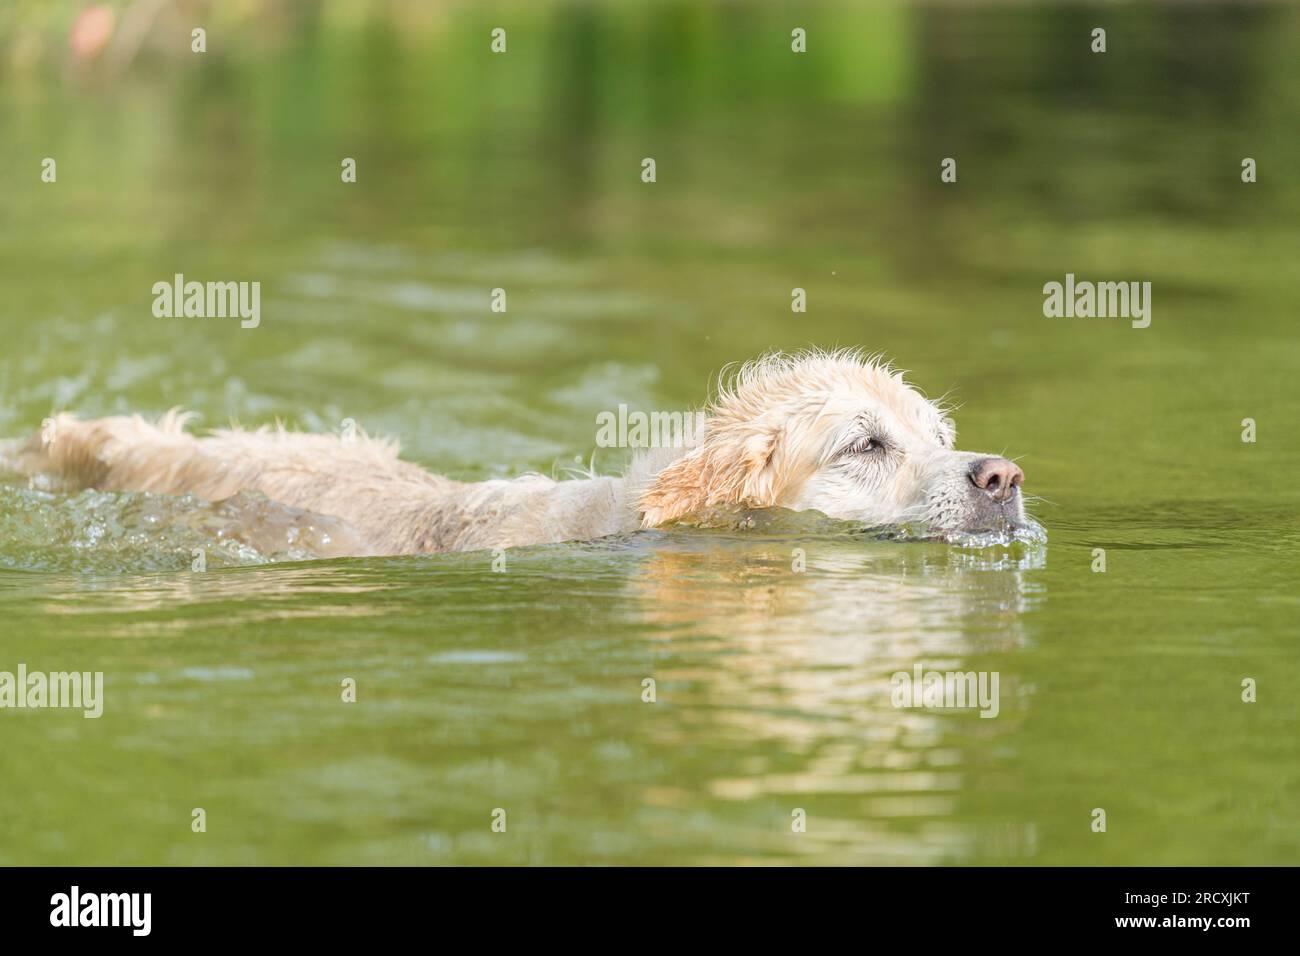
(86, 454)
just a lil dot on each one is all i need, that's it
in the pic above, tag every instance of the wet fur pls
(770, 439)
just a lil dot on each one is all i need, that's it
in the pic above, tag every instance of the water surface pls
(523, 690)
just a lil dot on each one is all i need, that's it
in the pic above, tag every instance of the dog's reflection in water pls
(788, 673)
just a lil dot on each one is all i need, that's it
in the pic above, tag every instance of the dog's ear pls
(733, 465)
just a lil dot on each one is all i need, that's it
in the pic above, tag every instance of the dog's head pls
(840, 434)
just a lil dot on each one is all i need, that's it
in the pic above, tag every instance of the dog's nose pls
(996, 477)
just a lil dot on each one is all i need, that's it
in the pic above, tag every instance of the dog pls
(835, 432)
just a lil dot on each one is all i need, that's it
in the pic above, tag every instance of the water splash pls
(779, 521)
(112, 532)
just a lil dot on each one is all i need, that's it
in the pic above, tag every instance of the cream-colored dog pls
(831, 432)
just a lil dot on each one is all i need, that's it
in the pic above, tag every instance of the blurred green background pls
(775, 170)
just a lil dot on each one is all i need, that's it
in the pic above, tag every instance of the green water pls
(523, 690)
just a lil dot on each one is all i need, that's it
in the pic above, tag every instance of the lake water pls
(1120, 690)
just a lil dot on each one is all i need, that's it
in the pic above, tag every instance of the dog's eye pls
(862, 446)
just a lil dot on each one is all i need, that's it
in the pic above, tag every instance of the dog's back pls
(393, 506)
(358, 479)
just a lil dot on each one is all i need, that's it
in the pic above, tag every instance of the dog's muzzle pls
(995, 488)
